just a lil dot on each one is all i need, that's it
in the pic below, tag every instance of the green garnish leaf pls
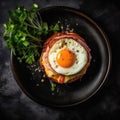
(55, 27)
(23, 32)
(53, 86)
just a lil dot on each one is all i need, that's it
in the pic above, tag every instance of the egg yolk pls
(65, 58)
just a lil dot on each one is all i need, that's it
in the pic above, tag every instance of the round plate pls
(36, 86)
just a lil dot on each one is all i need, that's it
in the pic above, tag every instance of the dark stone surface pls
(105, 105)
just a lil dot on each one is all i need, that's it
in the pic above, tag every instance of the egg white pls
(76, 48)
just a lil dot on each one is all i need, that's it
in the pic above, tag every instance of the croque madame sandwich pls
(65, 57)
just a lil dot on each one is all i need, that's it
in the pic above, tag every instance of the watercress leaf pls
(35, 6)
(54, 28)
(26, 43)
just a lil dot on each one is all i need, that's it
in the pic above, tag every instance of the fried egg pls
(66, 55)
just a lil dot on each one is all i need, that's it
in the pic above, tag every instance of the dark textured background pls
(105, 105)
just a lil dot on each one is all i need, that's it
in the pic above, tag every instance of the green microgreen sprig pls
(24, 30)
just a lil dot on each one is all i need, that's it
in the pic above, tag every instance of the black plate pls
(30, 78)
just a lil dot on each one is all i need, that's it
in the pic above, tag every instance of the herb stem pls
(33, 26)
(34, 38)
